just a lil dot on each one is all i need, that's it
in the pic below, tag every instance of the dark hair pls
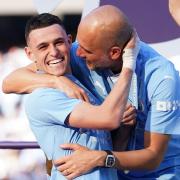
(41, 21)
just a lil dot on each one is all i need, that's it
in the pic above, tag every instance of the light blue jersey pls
(47, 110)
(158, 105)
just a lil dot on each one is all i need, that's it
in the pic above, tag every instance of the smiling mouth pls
(56, 61)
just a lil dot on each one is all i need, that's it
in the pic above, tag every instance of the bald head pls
(106, 23)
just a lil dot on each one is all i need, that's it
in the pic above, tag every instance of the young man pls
(155, 144)
(55, 118)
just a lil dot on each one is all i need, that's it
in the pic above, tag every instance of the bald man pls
(156, 141)
(153, 151)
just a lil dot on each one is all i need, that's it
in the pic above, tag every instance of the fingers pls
(129, 121)
(68, 168)
(78, 94)
(72, 146)
(128, 106)
(130, 110)
(72, 175)
(65, 170)
(133, 40)
(83, 96)
(129, 117)
(61, 161)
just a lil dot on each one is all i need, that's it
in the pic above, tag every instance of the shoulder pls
(156, 72)
(42, 97)
(151, 64)
(41, 93)
(150, 59)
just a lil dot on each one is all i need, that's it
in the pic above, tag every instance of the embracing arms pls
(148, 158)
(25, 80)
(110, 113)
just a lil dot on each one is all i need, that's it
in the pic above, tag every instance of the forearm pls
(109, 114)
(25, 80)
(120, 137)
(148, 158)
(145, 159)
(131, 160)
(116, 101)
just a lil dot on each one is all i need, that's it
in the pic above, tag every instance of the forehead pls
(87, 41)
(47, 34)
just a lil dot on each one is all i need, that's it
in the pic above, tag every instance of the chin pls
(57, 73)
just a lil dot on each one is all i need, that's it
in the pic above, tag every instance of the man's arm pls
(81, 114)
(148, 158)
(110, 113)
(120, 136)
(25, 80)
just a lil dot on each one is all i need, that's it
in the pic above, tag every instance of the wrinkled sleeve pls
(49, 107)
(45, 109)
(164, 114)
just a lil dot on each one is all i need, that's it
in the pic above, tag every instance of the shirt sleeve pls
(164, 114)
(46, 108)
(49, 106)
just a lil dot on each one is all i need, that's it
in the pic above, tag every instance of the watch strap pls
(108, 152)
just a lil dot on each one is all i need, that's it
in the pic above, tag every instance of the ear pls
(69, 39)
(115, 53)
(29, 54)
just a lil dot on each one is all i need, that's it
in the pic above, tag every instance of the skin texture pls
(25, 80)
(49, 48)
(146, 159)
(174, 9)
(94, 48)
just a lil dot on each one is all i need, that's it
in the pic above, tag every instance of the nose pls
(80, 52)
(54, 51)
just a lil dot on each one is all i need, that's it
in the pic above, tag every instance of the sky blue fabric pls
(158, 99)
(47, 110)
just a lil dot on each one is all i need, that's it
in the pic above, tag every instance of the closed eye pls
(59, 41)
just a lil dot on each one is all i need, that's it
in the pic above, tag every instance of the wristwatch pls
(110, 159)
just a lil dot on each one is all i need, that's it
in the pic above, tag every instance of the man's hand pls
(80, 162)
(120, 136)
(131, 51)
(129, 117)
(70, 88)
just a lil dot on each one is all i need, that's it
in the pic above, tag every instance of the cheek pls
(40, 59)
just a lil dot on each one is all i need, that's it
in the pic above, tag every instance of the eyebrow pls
(54, 41)
(85, 49)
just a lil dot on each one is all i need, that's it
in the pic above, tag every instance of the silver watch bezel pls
(110, 157)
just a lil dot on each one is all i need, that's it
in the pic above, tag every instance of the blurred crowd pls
(17, 164)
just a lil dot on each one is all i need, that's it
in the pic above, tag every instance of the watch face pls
(110, 161)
